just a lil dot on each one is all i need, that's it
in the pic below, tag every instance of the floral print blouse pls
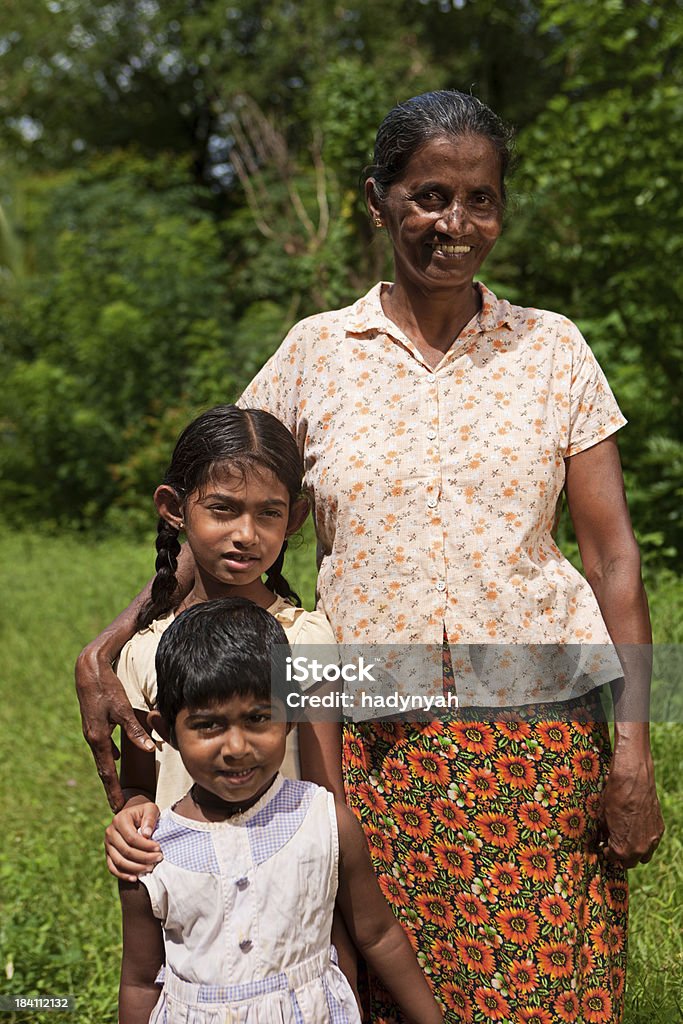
(435, 489)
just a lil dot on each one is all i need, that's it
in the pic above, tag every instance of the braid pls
(165, 582)
(276, 582)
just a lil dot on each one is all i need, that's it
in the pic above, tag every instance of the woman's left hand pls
(632, 817)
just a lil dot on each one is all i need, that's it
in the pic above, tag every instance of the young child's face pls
(236, 526)
(233, 748)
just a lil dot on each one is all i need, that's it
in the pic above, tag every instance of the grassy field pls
(59, 930)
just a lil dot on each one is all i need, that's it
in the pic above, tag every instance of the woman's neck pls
(432, 321)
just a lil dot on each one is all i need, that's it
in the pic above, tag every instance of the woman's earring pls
(378, 222)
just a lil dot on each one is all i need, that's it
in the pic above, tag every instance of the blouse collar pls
(367, 316)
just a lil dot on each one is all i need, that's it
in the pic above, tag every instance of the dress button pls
(440, 585)
(245, 945)
(242, 883)
(431, 502)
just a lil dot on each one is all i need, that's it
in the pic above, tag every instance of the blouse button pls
(242, 883)
(440, 586)
(245, 945)
(431, 502)
(431, 435)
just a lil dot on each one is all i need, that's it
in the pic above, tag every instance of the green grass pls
(59, 931)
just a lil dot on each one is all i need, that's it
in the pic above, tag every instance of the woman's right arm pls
(103, 701)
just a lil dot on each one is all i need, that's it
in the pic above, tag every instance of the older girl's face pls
(445, 213)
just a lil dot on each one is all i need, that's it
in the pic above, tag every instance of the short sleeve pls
(315, 629)
(154, 882)
(309, 629)
(136, 670)
(275, 386)
(594, 413)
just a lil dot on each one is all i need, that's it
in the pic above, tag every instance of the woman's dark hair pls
(218, 650)
(433, 115)
(245, 440)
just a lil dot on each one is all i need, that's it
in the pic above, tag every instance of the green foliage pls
(181, 186)
(127, 314)
(599, 231)
(83, 75)
(59, 931)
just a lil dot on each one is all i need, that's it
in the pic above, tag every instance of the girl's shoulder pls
(158, 626)
(150, 635)
(294, 820)
(135, 665)
(302, 627)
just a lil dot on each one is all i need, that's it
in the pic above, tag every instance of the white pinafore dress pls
(246, 906)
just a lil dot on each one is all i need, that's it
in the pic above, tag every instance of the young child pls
(240, 909)
(234, 488)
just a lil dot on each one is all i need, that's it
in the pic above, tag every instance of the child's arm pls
(143, 955)
(130, 851)
(138, 768)
(320, 755)
(320, 730)
(374, 928)
(102, 698)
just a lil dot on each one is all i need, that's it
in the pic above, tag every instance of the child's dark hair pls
(244, 439)
(218, 650)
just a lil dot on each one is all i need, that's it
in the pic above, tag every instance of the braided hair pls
(246, 439)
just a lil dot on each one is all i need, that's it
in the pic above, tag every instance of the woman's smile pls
(448, 249)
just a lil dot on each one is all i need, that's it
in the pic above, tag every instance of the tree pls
(183, 185)
(125, 318)
(600, 231)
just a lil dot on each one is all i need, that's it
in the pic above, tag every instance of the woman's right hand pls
(104, 705)
(130, 851)
(103, 700)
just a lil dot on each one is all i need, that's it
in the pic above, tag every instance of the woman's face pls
(445, 213)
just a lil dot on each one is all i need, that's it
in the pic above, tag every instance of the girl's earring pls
(378, 222)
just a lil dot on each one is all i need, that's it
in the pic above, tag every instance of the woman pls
(439, 426)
